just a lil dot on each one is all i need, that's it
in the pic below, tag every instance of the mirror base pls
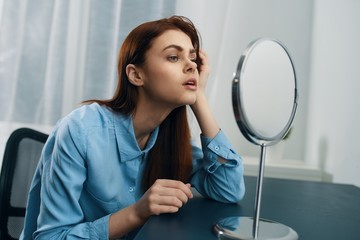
(242, 228)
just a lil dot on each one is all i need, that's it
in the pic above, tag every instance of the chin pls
(191, 102)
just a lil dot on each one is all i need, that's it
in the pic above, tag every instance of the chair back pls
(21, 156)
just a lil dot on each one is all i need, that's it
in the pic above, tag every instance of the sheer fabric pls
(55, 54)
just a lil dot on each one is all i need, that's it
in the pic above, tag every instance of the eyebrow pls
(179, 48)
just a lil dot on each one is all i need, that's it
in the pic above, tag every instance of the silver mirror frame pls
(242, 121)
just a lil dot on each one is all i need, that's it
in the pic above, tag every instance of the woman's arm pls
(208, 124)
(201, 109)
(62, 177)
(218, 170)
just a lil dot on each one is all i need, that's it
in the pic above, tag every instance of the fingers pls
(168, 187)
(203, 57)
(204, 71)
(165, 196)
(157, 209)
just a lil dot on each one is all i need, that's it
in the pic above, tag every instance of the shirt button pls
(217, 148)
(131, 189)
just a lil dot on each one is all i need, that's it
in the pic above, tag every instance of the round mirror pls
(264, 97)
(264, 92)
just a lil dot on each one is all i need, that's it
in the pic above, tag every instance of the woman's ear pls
(134, 75)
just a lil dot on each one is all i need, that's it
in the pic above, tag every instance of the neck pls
(145, 120)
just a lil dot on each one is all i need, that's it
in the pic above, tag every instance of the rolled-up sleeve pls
(220, 181)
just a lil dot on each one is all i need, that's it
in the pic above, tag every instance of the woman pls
(111, 164)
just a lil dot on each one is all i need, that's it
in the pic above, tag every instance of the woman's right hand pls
(164, 196)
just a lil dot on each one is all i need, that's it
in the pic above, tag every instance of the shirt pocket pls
(94, 207)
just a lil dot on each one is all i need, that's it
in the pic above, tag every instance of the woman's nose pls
(191, 66)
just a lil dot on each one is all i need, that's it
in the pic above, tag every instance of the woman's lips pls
(191, 84)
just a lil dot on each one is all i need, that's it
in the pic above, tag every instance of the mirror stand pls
(248, 227)
(264, 96)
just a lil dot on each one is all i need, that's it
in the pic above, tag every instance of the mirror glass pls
(264, 92)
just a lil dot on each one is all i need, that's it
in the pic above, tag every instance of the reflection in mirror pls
(264, 95)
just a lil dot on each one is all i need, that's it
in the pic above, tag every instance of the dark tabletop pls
(315, 210)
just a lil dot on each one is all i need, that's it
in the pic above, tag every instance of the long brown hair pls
(170, 157)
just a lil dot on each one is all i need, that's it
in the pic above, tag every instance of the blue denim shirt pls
(91, 167)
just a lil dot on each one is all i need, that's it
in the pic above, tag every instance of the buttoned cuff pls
(99, 228)
(219, 146)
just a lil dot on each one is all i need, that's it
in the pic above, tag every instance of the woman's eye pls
(173, 58)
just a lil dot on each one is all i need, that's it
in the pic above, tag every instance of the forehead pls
(172, 37)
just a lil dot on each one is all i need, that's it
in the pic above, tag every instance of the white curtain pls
(56, 53)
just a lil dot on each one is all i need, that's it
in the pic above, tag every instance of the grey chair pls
(21, 156)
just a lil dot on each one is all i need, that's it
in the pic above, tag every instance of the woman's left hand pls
(201, 108)
(204, 71)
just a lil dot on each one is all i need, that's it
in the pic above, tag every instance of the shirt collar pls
(126, 140)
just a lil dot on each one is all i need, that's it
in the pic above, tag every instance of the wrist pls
(135, 217)
(124, 221)
(200, 102)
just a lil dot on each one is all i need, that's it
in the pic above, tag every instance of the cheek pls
(159, 89)
(161, 79)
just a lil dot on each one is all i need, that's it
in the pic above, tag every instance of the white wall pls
(334, 99)
(323, 39)
(227, 27)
